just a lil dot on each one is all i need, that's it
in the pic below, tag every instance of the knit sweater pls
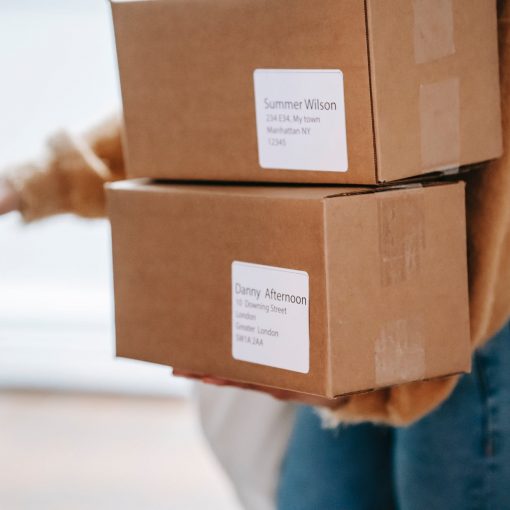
(71, 179)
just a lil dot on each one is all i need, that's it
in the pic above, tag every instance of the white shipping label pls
(301, 119)
(270, 316)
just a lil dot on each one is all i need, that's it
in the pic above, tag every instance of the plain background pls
(78, 429)
(59, 71)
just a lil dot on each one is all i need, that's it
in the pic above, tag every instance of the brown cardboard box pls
(419, 79)
(324, 291)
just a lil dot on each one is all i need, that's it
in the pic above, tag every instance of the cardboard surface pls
(435, 84)
(387, 276)
(420, 78)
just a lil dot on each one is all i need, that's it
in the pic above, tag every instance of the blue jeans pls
(456, 458)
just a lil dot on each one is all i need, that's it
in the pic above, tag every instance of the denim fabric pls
(456, 458)
(342, 469)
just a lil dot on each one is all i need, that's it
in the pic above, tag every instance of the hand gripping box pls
(307, 91)
(323, 291)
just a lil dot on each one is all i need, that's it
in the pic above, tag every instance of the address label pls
(270, 316)
(300, 117)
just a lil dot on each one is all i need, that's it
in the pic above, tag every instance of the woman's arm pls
(70, 178)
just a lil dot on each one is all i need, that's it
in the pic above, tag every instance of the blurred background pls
(78, 429)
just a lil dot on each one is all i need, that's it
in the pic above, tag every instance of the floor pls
(83, 452)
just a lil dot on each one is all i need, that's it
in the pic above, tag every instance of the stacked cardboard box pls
(324, 290)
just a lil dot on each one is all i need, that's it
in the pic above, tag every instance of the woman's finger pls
(9, 197)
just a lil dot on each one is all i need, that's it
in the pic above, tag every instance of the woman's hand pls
(9, 197)
(274, 392)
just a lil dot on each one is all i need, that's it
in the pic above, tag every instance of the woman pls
(445, 444)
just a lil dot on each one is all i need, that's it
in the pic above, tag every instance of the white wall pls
(58, 70)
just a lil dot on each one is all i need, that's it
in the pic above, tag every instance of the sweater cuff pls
(70, 179)
(397, 406)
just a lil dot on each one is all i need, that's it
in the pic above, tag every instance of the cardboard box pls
(325, 291)
(348, 92)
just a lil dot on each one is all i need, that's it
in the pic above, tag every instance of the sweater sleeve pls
(70, 178)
